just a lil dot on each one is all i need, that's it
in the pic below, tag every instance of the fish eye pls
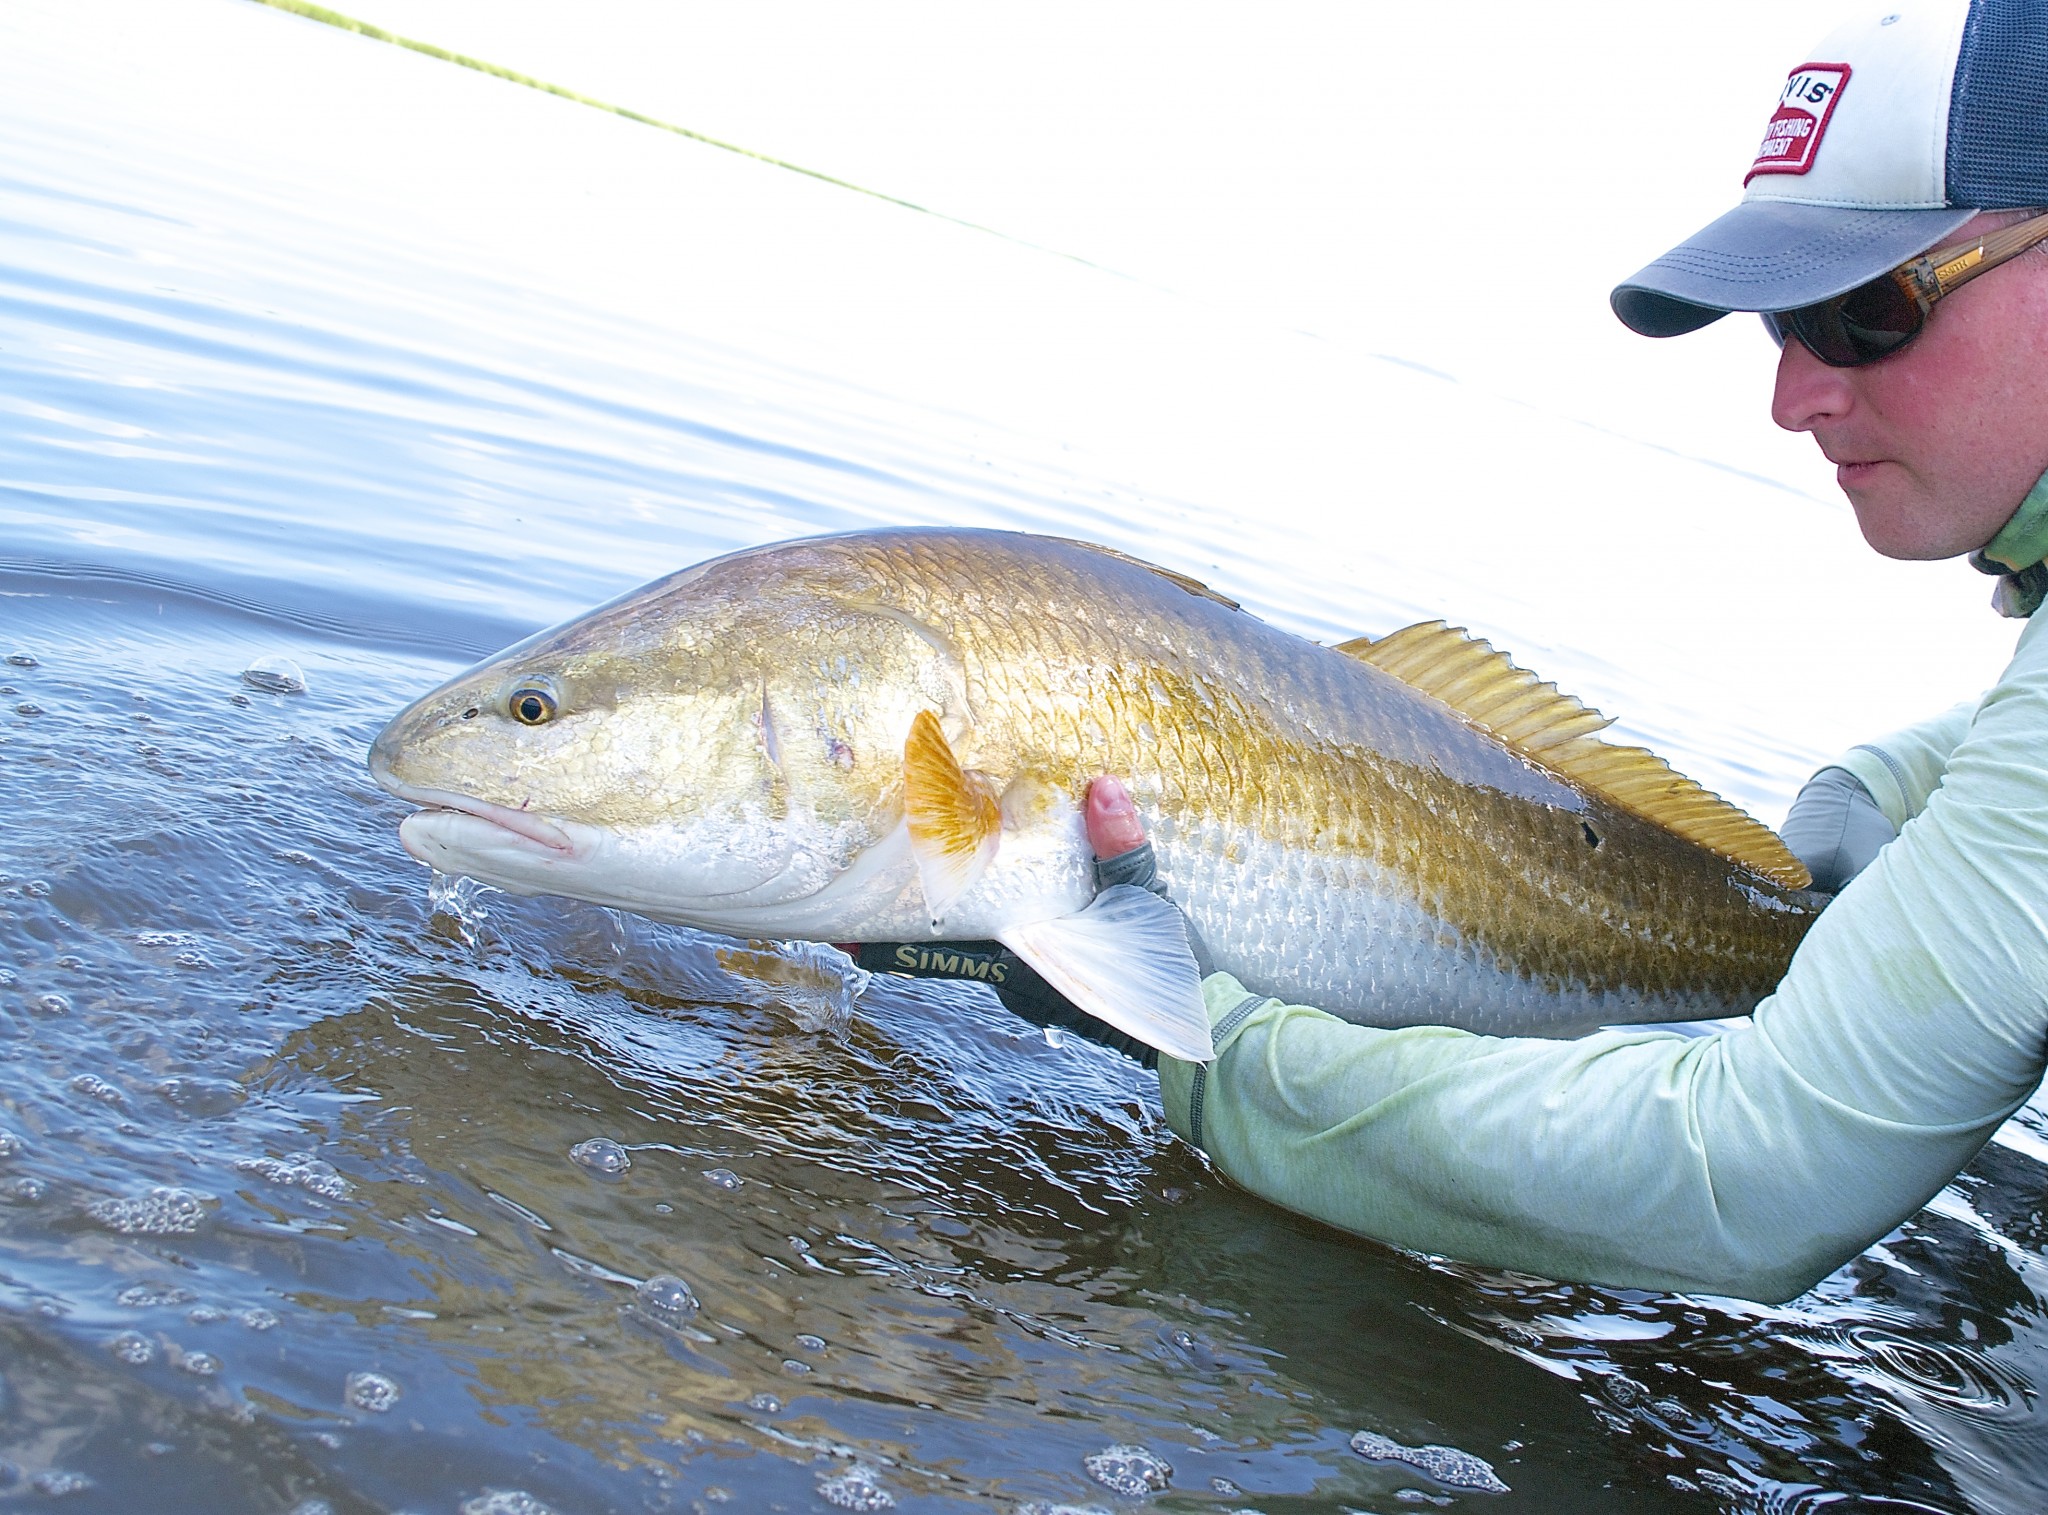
(531, 704)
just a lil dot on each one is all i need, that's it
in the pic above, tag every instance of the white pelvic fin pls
(1124, 960)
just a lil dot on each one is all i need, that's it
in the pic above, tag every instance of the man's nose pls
(1808, 392)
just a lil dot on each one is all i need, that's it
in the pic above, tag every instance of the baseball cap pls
(1896, 129)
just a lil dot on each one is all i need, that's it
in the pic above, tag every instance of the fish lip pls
(522, 823)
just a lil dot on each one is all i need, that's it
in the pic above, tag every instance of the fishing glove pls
(1016, 983)
(1835, 828)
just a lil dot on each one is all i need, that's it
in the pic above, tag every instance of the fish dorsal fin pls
(955, 821)
(1561, 734)
(1192, 586)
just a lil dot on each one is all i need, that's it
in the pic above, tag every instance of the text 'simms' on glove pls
(1022, 989)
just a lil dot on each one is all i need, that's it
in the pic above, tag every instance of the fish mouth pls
(523, 824)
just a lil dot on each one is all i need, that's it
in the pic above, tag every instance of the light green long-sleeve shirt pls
(1753, 1162)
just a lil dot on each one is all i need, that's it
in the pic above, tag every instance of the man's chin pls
(1898, 525)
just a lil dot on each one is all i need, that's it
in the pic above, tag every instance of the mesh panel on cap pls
(1998, 109)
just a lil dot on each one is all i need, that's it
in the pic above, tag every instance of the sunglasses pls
(1875, 320)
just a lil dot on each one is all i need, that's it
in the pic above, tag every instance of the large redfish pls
(887, 736)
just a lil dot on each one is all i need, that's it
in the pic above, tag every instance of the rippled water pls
(313, 1196)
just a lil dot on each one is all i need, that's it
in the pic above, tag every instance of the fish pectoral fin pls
(1124, 960)
(955, 820)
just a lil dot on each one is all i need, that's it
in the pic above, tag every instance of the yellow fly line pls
(335, 18)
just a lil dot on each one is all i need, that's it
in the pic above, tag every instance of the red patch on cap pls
(1793, 136)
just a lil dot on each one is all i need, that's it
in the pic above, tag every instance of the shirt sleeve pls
(1903, 770)
(1753, 1162)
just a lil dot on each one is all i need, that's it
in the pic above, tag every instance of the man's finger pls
(1114, 827)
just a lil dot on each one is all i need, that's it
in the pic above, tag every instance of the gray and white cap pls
(1900, 126)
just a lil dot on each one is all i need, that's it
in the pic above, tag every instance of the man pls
(1914, 1019)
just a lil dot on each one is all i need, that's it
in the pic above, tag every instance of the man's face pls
(1937, 445)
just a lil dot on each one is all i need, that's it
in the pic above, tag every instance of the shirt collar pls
(2016, 556)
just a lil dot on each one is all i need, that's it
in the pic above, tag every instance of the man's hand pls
(1835, 828)
(1122, 856)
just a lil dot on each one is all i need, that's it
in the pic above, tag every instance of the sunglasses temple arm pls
(1928, 279)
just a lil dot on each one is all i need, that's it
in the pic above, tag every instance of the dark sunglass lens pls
(1878, 317)
(1820, 328)
(1868, 323)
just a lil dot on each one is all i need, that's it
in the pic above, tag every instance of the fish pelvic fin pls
(954, 816)
(1124, 960)
(1558, 733)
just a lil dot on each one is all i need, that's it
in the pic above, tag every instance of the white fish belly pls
(1349, 938)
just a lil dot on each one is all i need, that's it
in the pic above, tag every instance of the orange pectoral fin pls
(955, 821)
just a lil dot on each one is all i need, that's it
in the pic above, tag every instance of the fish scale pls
(1339, 835)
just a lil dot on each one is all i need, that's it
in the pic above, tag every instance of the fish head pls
(723, 747)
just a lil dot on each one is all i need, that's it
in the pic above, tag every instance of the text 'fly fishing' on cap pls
(1897, 128)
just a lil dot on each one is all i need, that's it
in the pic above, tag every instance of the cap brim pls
(1774, 255)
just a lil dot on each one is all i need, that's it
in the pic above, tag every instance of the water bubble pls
(206, 1315)
(52, 1004)
(1130, 1471)
(504, 1502)
(811, 1343)
(163, 1211)
(133, 1348)
(204, 1364)
(816, 983)
(667, 1301)
(312, 1507)
(275, 674)
(28, 708)
(371, 1391)
(22, 660)
(765, 1404)
(722, 1178)
(792, 1366)
(1447, 1465)
(92, 1086)
(461, 900)
(258, 1319)
(149, 1296)
(25, 1190)
(1225, 1487)
(601, 1155)
(301, 1170)
(146, 1296)
(57, 1484)
(858, 1488)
